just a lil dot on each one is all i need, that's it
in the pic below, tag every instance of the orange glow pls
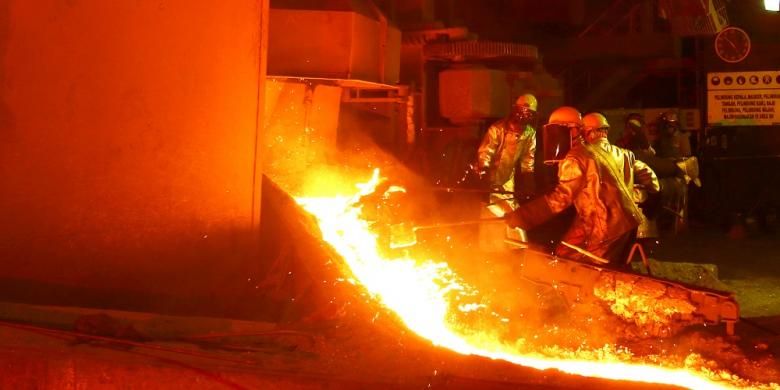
(425, 294)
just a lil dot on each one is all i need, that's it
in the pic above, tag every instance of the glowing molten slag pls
(421, 293)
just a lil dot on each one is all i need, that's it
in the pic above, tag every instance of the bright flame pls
(421, 292)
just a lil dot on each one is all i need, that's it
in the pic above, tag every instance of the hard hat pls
(568, 116)
(595, 121)
(634, 119)
(635, 123)
(528, 101)
(669, 116)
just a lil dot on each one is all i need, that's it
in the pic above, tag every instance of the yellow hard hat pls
(566, 115)
(595, 121)
(528, 101)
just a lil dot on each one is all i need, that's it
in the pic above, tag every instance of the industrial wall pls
(128, 134)
(300, 121)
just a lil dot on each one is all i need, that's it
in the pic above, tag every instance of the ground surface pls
(316, 343)
(749, 264)
(325, 333)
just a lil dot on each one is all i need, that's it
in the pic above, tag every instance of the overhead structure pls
(695, 17)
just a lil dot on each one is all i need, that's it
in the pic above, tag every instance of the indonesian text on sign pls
(743, 98)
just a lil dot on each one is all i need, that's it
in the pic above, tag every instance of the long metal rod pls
(586, 253)
(459, 223)
(472, 190)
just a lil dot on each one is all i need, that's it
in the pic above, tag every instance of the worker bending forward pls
(599, 180)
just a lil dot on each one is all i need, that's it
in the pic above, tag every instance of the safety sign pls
(743, 98)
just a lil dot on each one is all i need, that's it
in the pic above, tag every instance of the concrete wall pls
(128, 135)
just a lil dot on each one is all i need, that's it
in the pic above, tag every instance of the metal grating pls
(478, 50)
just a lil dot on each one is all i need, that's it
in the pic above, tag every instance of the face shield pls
(594, 134)
(670, 123)
(522, 115)
(557, 140)
(635, 135)
(672, 127)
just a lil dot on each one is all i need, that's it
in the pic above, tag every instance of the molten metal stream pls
(420, 292)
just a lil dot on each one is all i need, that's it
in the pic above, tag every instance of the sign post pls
(743, 98)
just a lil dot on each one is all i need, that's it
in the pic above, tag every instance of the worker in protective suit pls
(674, 170)
(509, 145)
(599, 180)
(674, 148)
(634, 136)
(672, 141)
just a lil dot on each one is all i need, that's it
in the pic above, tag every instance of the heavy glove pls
(514, 219)
(530, 214)
(689, 169)
(474, 177)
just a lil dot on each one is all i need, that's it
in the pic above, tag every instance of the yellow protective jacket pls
(599, 180)
(502, 149)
